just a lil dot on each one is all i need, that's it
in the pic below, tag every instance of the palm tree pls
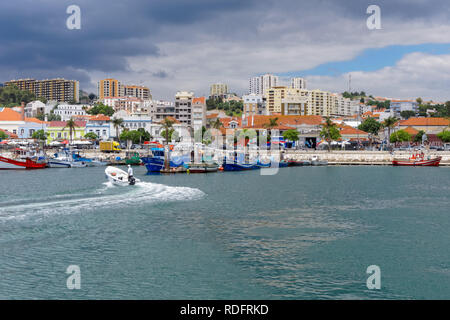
(167, 125)
(389, 123)
(117, 122)
(330, 132)
(273, 122)
(72, 127)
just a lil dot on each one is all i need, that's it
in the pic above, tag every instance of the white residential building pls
(298, 83)
(260, 84)
(35, 108)
(198, 113)
(67, 111)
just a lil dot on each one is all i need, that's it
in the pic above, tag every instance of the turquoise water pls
(305, 233)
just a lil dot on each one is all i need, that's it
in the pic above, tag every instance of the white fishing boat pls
(65, 160)
(119, 177)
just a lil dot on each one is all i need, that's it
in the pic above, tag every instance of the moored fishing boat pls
(7, 163)
(434, 162)
(296, 163)
(202, 167)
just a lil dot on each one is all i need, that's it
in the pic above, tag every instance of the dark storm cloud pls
(34, 37)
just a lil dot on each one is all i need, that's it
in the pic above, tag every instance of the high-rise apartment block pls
(260, 84)
(60, 90)
(114, 88)
(298, 83)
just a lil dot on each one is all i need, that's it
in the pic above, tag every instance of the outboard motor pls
(131, 181)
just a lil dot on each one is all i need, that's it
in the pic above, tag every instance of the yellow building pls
(277, 98)
(218, 89)
(57, 131)
(110, 88)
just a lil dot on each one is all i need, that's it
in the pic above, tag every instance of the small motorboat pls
(202, 167)
(119, 177)
(295, 163)
(316, 162)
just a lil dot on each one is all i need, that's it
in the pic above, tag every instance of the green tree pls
(117, 122)
(3, 135)
(131, 135)
(145, 135)
(407, 114)
(11, 96)
(389, 124)
(444, 136)
(91, 136)
(71, 125)
(291, 135)
(418, 136)
(400, 136)
(100, 108)
(370, 125)
(330, 132)
(40, 135)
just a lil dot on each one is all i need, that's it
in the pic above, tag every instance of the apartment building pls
(110, 88)
(60, 90)
(183, 107)
(218, 90)
(254, 104)
(130, 104)
(298, 83)
(137, 92)
(260, 84)
(162, 109)
(198, 113)
(67, 111)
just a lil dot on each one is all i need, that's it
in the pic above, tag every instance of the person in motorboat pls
(131, 179)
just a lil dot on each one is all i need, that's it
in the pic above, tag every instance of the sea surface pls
(304, 233)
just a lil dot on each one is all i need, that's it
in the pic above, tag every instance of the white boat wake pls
(110, 196)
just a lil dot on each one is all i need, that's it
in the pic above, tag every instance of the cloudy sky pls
(172, 45)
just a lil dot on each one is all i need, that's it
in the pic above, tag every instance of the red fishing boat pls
(418, 160)
(7, 163)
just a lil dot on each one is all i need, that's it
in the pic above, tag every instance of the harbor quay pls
(335, 157)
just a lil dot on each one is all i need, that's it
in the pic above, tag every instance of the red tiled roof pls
(8, 114)
(62, 124)
(352, 131)
(259, 121)
(201, 100)
(425, 122)
(411, 131)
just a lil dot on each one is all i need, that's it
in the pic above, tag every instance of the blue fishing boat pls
(237, 165)
(155, 161)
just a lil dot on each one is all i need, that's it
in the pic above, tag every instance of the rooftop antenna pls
(350, 83)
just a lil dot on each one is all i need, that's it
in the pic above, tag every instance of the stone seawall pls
(333, 158)
(361, 157)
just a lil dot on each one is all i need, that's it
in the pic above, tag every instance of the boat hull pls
(202, 168)
(238, 167)
(10, 164)
(421, 163)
